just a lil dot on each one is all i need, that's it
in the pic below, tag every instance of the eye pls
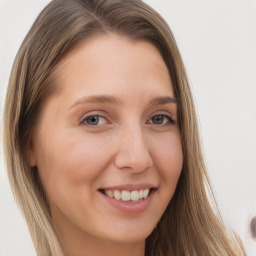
(94, 120)
(161, 119)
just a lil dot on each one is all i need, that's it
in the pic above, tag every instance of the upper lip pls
(130, 187)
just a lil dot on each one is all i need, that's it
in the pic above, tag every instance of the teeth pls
(145, 193)
(126, 195)
(109, 193)
(135, 195)
(117, 195)
(141, 194)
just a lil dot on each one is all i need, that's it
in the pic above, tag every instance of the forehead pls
(111, 62)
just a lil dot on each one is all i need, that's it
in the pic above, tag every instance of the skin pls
(127, 146)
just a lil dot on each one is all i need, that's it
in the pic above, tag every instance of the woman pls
(101, 140)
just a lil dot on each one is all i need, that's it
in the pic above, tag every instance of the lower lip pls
(130, 207)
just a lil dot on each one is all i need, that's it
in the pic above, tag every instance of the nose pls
(133, 152)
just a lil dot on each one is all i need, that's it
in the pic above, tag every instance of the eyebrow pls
(97, 99)
(162, 100)
(115, 101)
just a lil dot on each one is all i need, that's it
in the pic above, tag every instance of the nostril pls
(133, 153)
(133, 161)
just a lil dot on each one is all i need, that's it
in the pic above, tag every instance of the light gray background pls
(217, 40)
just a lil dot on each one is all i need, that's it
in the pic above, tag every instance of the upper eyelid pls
(94, 113)
(163, 112)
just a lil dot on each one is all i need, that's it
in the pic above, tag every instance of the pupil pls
(93, 120)
(158, 119)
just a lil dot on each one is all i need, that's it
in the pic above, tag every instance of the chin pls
(131, 235)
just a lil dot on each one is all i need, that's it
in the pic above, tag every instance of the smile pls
(128, 196)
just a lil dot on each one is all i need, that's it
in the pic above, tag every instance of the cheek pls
(70, 159)
(169, 158)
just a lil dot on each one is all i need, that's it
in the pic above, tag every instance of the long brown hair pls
(191, 224)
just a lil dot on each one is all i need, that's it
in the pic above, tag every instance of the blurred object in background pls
(253, 228)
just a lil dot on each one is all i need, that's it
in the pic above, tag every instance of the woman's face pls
(106, 138)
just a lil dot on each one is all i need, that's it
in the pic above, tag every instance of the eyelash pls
(169, 121)
(85, 120)
(169, 118)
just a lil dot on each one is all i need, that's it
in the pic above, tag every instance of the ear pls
(31, 153)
